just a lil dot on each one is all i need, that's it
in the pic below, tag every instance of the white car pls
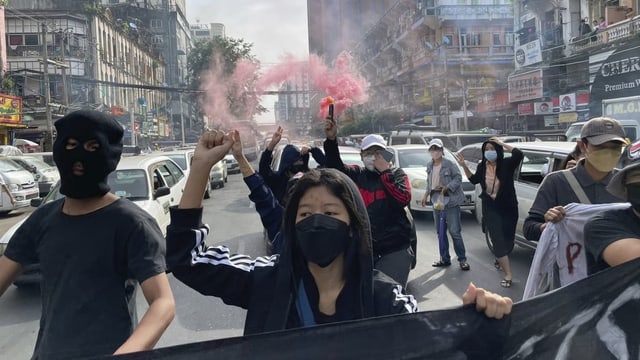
(218, 175)
(232, 164)
(413, 159)
(154, 183)
(183, 159)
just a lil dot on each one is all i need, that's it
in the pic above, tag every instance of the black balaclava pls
(85, 125)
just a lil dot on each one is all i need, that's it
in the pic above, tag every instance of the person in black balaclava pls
(86, 151)
(292, 161)
(92, 247)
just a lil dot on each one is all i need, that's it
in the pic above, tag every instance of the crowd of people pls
(341, 234)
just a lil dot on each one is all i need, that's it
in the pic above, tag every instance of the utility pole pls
(181, 120)
(64, 70)
(464, 97)
(446, 89)
(47, 94)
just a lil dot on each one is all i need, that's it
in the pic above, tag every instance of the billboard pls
(525, 86)
(528, 54)
(10, 109)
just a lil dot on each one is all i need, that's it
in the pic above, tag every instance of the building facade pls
(205, 32)
(437, 61)
(292, 110)
(578, 59)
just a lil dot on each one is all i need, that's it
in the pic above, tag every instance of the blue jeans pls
(455, 230)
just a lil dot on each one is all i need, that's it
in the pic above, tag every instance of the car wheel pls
(206, 193)
(221, 184)
(226, 178)
(4, 213)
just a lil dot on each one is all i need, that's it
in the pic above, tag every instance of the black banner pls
(595, 318)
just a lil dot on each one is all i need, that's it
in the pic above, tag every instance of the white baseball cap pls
(436, 142)
(372, 140)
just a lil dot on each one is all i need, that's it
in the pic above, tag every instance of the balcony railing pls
(31, 51)
(615, 32)
(474, 12)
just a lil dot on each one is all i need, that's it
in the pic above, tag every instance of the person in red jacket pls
(386, 193)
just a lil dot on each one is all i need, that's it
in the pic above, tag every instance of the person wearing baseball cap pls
(601, 142)
(386, 192)
(612, 237)
(445, 181)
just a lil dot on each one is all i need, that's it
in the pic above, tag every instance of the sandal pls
(496, 264)
(464, 266)
(506, 283)
(441, 263)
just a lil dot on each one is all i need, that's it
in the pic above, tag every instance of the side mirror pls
(36, 202)
(163, 191)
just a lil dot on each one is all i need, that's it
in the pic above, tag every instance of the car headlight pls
(419, 183)
(3, 247)
(14, 187)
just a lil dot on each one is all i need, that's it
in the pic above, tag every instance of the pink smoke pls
(342, 83)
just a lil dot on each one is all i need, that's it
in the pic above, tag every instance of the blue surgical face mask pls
(491, 155)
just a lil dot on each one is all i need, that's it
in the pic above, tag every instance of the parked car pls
(19, 186)
(232, 164)
(472, 153)
(47, 157)
(413, 159)
(9, 150)
(631, 129)
(183, 159)
(417, 136)
(540, 158)
(218, 175)
(154, 183)
(44, 174)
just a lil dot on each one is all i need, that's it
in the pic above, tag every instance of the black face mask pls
(322, 238)
(84, 126)
(633, 195)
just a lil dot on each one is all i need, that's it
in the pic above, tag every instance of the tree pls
(224, 54)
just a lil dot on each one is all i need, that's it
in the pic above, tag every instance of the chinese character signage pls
(528, 54)
(526, 86)
(10, 109)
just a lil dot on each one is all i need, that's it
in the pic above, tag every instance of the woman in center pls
(324, 273)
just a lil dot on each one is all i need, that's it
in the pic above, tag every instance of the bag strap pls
(575, 186)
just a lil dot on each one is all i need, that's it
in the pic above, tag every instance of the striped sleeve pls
(407, 303)
(210, 270)
(396, 182)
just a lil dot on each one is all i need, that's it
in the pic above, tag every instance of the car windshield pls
(131, 184)
(7, 165)
(39, 164)
(573, 133)
(180, 160)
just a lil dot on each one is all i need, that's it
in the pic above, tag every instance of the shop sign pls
(543, 108)
(551, 120)
(568, 117)
(567, 102)
(10, 109)
(526, 86)
(528, 54)
(525, 109)
(491, 102)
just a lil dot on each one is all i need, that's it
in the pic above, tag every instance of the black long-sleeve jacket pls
(385, 195)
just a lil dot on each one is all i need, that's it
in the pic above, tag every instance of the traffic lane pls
(7, 221)
(235, 223)
(437, 288)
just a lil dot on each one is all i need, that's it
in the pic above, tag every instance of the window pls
(158, 180)
(156, 23)
(16, 40)
(475, 39)
(534, 167)
(166, 174)
(177, 173)
(496, 39)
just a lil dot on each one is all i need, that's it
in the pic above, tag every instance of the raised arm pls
(211, 148)
(264, 167)
(332, 153)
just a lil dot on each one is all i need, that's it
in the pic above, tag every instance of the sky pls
(275, 27)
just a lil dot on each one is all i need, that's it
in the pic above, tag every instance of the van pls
(18, 188)
(417, 136)
(631, 129)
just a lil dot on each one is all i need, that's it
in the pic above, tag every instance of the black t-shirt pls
(89, 265)
(606, 228)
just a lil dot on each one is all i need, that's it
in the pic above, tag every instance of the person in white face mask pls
(444, 180)
(602, 140)
(386, 192)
